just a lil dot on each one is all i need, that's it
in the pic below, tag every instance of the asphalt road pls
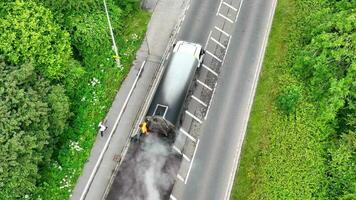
(147, 172)
(215, 162)
(131, 180)
(235, 42)
(198, 21)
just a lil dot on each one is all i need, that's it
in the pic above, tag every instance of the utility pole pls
(114, 47)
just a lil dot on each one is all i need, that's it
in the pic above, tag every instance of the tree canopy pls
(312, 155)
(57, 79)
(29, 108)
(28, 34)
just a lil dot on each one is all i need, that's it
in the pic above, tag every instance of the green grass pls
(263, 111)
(60, 176)
(296, 155)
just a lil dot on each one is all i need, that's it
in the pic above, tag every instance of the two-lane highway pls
(234, 34)
(217, 156)
(133, 178)
(198, 21)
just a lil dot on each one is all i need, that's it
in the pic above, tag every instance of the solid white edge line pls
(193, 116)
(205, 85)
(191, 163)
(217, 42)
(227, 47)
(214, 56)
(209, 69)
(183, 18)
(226, 18)
(178, 29)
(167, 56)
(91, 177)
(187, 8)
(211, 99)
(219, 29)
(199, 101)
(238, 12)
(230, 6)
(253, 92)
(187, 134)
(207, 40)
(217, 12)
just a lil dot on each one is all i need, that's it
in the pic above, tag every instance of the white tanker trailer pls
(166, 107)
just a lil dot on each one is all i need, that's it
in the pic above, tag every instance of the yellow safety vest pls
(144, 128)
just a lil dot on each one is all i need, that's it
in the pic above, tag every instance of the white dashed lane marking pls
(187, 134)
(221, 60)
(217, 42)
(180, 178)
(230, 6)
(191, 163)
(205, 85)
(193, 116)
(219, 29)
(214, 56)
(180, 152)
(199, 101)
(172, 197)
(226, 18)
(210, 70)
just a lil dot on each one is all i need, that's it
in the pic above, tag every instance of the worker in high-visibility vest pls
(144, 128)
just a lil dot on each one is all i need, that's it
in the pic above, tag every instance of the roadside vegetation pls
(57, 81)
(301, 139)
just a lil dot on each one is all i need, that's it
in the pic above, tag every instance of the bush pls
(313, 155)
(128, 6)
(342, 164)
(59, 104)
(65, 7)
(29, 35)
(28, 114)
(91, 39)
(288, 100)
(50, 103)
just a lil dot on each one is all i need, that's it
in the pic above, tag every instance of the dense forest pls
(301, 139)
(57, 80)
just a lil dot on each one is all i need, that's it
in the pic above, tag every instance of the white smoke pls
(155, 153)
(146, 174)
(152, 191)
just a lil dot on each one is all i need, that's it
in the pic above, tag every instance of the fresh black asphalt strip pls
(147, 172)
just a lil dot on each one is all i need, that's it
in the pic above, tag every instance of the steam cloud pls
(147, 173)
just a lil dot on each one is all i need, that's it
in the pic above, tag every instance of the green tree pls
(29, 34)
(128, 5)
(59, 105)
(23, 127)
(91, 39)
(342, 174)
(65, 7)
(327, 64)
(33, 114)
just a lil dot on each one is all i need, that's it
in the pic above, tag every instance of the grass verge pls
(262, 114)
(59, 178)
